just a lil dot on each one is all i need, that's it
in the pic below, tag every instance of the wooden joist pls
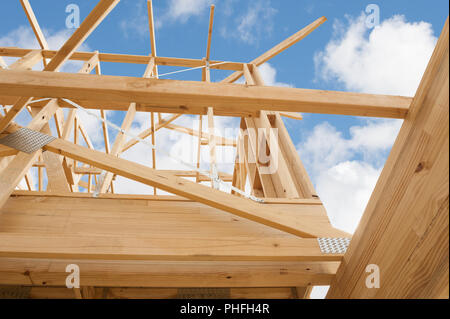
(128, 58)
(51, 273)
(66, 246)
(90, 292)
(145, 229)
(187, 96)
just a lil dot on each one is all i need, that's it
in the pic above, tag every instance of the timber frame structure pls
(204, 242)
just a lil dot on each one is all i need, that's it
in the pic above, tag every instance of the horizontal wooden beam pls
(184, 95)
(129, 58)
(50, 273)
(130, 229)
(157, 293)
(223, 176)
(7, 151)
(296, 201)
(67, 246)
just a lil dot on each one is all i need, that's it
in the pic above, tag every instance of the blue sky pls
(343, 155)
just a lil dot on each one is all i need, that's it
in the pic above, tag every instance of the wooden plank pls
(186, 94)
(199, 147)
(140, 107)
(66, 246)
(34, 24)
(292, 115)
(56, 177)
(129, 58)
(238, 206)
(51, 273)
(163, 293)
(152, 127)
(151, 26)
(405, 230)
(117, 146)
(28, 61)
(223, 176)
(210, 29)
(206, 74)
(7, 151)
(158, 197)
(103, 115)
(293, 39)
(110, 229)
(250, 153)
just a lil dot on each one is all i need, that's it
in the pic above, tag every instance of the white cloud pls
(250, 26)
(184, 9)
(345, 189)
(256, 21)
(137, 24)
(345, 170)
(269, 74)
(388, 59)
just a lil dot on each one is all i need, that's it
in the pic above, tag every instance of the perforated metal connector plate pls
(26, 140)
(333, 245)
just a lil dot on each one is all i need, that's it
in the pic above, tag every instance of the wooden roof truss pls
(267, 240)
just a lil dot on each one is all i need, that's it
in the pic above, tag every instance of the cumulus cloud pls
(269, 74)
(256, 21)
(184, 9)
(388, 59)
(137, 25)
(345, 170)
